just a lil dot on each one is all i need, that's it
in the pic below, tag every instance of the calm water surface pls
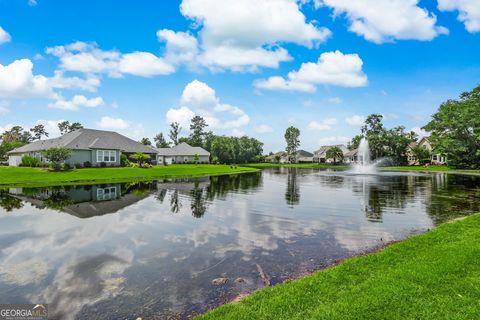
(151, 250)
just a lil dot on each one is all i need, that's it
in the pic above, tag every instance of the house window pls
(434, 157)
(106, 156)
(106, 193)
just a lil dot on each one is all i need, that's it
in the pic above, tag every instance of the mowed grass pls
(17, 176)
(435, 275)
(264, 165)
(430, 169)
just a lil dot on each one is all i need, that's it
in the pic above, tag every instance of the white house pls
(182, 153)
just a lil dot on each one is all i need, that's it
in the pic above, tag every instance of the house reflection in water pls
(80, 201)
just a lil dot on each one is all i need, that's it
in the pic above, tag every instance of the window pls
(434, 157)
(106, 156)
(106, 193)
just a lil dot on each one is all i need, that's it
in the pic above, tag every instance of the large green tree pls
(66, 126)
(174, 132)
(292, 135)
(160, 141)
(39, 131)
(197, 131)
(455, 130)
(384, 143)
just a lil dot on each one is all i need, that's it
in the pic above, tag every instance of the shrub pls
(57, 156)
(78, 165)
(87, 164)
(103, 164)
(29, 161)
(124, 160)
(67, 166)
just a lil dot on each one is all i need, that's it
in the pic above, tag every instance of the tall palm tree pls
(334, 153)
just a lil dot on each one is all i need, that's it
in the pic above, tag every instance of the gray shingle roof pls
(182, 149)
(86, 139)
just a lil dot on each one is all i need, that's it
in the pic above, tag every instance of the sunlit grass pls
(435, 275)
(17, 176)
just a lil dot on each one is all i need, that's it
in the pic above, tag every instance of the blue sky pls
(249, 67)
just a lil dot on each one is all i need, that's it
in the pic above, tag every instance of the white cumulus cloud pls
(89, 58)
(322, 125)
(355, 120)
(387, 20)
(200, 99)
(77, 102)
(18, 81)
(468, 12)
(4, 36)
(244, 35)
(332, 68)
(113, 123)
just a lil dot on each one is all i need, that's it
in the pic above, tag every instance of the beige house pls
(435, 158)
(301, 156)
(320, 155)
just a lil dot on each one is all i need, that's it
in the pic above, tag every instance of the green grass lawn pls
(430, 169)
(435, 275)
(264, 165)
(17, 176)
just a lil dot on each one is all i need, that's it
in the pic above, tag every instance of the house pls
(279, 157)
(320, 155)
(302, 156)
(97, 147)
(282, 157)
(435, 158)
(86, 202)
(182, 153)
(351, 156)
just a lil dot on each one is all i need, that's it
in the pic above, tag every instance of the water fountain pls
(364, 163)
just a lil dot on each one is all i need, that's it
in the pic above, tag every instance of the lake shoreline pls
(11, 177)
(342, 281)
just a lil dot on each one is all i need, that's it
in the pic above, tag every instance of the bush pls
(67, 166)
(87, 164)
(103, 164)
(29, 161)
(78, 165)
(124, 162)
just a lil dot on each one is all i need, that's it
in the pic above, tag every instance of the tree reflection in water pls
(292, 194)
(198, 204)
(8, 202)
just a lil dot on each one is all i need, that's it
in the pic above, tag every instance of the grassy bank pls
(16, 176)
(435, 275)
(264, 165)
(430, 169)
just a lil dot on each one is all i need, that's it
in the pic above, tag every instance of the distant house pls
(282, 157)
(351, 156)
(279, 157)
(302, 156)
(95, 146)
(435, 158)
(182, 153)
(320, 155)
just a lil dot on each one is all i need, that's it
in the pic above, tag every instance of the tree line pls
(223, 149)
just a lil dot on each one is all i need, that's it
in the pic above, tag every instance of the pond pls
(154, 249)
